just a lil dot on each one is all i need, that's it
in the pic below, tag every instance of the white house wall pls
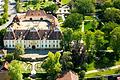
(39, 44)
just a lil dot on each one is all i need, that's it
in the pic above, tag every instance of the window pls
(37, 45)
(45, 45)
(53, 45)
(56, 41)
(42, 45)
(6, 46)
(59, 10)
(56, 45)
(49, 45)
(53, 41)
(13, 45)
(24, 46)
(9, 45)
(30, 18)
(29, 45)
(41, 18)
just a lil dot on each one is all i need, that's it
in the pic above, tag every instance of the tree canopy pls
(115, 40)
(66, 61)
(15, 70)
(116, 4)
(73, 21)
(52, 65)
(19, 49)
(112, 14)
(84, 6)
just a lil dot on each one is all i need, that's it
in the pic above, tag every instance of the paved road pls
(12, 12)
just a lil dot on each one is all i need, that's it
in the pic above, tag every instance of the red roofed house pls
(69, 76)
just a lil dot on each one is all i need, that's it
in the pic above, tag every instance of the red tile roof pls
(69, 76)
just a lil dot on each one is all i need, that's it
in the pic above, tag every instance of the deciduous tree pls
(116, 3)
(115, 40)
(67, 38)
(66, 61)
(19, 50)
(15, 70)
(112, 14)
(73, 21)
(99, 40)
(84, 6)
(52, 65)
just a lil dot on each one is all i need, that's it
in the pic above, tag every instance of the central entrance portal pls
(33, 47)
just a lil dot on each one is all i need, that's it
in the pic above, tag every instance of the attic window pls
(30, 18)
(41, 18)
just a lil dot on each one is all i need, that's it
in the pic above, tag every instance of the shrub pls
(27, 79)
(9, 57)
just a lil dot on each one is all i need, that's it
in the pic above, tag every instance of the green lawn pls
(65, 1)
(103, 73)
(91, 65)
(117, 62)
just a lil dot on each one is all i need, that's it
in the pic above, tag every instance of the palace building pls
(34, 30)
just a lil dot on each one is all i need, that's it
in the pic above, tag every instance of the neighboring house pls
(63, 10)
(68, 76)
(35, 30)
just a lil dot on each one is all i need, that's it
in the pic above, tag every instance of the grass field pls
(103, 73)
(65, 1)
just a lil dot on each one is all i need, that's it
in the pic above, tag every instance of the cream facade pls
(34, 30)
(30, 44)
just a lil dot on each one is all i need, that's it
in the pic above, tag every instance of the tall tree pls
(5, 6)
(2, 33)
(116, 3)
(19, 50)
(77, 35)
(107, 28)
(112, 14)
(52, 8)
(84, 6)
(67, 38)
(18, 6)
(115, 40)
(66, 61)
(15, 70)
(89, 40)
(52, 65)
(73, 21)
(99, 40)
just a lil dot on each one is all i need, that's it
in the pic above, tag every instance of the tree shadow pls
(104, 61)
